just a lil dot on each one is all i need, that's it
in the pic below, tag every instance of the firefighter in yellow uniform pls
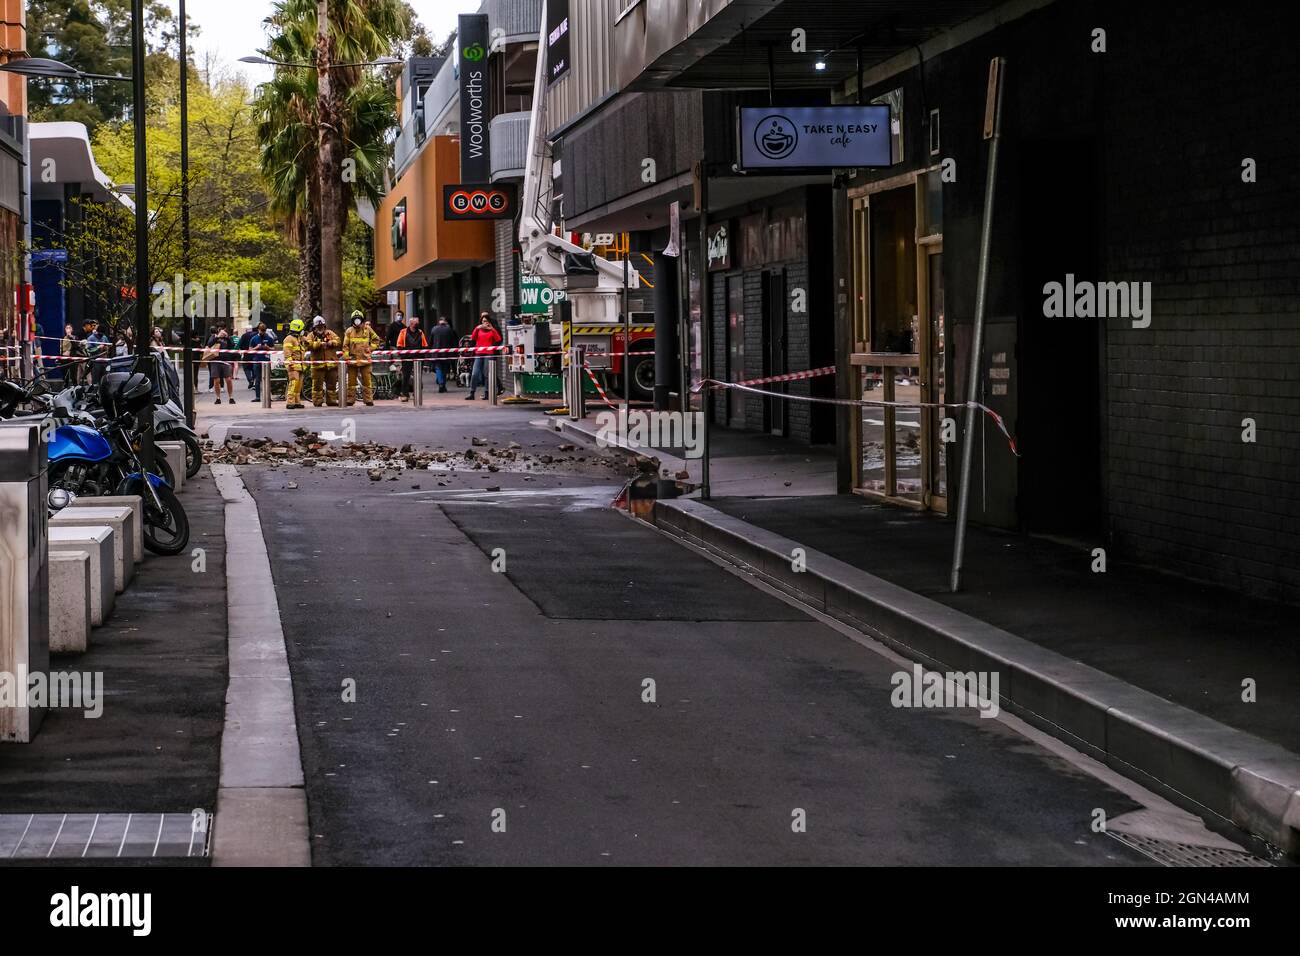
(358, 342)
(323, 344)
(294, 355)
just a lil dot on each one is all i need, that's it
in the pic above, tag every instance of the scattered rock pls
(492, 488)
(478, 441)
(568, 447)
(292, 486)
(375, 474)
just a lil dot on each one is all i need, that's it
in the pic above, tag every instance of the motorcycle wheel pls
(166, 532)
(193, 451)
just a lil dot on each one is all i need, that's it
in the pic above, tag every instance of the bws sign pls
(479, 202)
(816, 137)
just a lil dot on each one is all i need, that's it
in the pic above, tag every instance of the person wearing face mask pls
(324, 347)
(358, 342)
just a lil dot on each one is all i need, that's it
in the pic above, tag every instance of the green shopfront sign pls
(536, 297)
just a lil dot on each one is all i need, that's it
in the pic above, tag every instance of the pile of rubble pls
(310, 450)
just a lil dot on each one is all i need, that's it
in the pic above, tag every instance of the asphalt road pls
(505, 717)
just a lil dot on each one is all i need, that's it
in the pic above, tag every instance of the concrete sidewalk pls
(1137, 668)
(162, 656)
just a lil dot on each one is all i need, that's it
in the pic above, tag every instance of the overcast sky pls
(233, 28)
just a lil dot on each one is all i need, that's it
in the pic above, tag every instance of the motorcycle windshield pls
(79, 441)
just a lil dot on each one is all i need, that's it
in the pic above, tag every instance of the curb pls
(261, 817)
(1207, 766)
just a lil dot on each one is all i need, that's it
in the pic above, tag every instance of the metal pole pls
(143, 348)
(977, 337)
(683, 321)
(418, 382)
(187, 357)
(492, 379)
(706, 332)
(627, 326)
(265, 372)
(343, 382)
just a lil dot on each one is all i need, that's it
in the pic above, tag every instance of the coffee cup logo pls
(775, 137)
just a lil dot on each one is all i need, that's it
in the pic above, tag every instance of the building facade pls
(445, 268)
(1142, 328)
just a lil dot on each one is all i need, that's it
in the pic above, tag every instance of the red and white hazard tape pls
(789, 376)
(860, 402)
(599, 391)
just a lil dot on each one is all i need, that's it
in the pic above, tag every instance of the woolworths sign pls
(536, 297)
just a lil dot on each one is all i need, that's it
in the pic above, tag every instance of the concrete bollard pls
(134, 502)
(24, 587)
(69, 602)
(175, 452)
(98, 543)
(121, 521)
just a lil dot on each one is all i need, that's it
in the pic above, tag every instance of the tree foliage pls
(95, 37)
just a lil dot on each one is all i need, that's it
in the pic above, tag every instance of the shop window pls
(931, 212)
(893, 271)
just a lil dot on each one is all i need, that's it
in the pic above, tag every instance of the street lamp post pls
(143, 343)
(187, 317)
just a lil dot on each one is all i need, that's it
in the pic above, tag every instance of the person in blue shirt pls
(263, 342)
(98, 348)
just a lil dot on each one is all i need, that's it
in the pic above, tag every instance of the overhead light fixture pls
(819, 65)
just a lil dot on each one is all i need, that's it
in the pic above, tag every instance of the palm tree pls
(346, 33)
(297, 130)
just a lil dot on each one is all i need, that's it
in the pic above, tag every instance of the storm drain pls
(62, 836)
(1169, 853)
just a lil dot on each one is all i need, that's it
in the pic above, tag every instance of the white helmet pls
(319, 320)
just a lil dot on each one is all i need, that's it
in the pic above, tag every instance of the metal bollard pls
(266, 384)
(492, 379)
(418, 380)
(343, 382)
(570, 383)
(24, 585)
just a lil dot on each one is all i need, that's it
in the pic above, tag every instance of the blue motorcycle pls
(103, 459)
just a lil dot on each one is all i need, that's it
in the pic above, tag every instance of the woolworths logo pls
(474, 52)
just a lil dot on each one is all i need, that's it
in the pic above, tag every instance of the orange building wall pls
(429, 240)
(13, 40)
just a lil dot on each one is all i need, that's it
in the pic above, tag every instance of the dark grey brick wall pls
(1223, 259)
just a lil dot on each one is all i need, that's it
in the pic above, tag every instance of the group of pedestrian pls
(85, 358)
(251, 351)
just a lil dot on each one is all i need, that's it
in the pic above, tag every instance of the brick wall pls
(1223, 259)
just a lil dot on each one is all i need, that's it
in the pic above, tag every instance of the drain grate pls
(63, 836)
(1169, 853)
